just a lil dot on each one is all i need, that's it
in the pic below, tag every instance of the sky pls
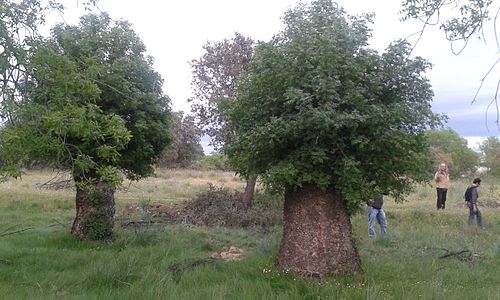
(175, 31)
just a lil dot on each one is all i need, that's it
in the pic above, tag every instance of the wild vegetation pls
(427, 255)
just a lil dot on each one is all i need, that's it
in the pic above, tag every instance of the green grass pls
(173, 262)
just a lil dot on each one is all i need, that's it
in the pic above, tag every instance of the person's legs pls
(479, 219)
(471, 215)
(438, 201)
(443, 197)
(372, 217)
(383, 222)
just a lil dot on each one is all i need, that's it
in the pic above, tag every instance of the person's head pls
(442, 167)
(476, 181)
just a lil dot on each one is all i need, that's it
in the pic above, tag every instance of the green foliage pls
(319, 107)
(19, 31)
(15, 17)
(490, 149)
(93, 104)
(449, 147)
(215, 161)
(186, 147)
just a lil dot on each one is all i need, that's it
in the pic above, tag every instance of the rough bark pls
(95, 211)
(249, 193)
(317, 234)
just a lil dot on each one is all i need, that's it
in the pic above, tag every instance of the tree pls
(460, 21)
(330, 122)
(449, 147)
(215, 77)
(93, 106)
(490, 149)
(186, 147)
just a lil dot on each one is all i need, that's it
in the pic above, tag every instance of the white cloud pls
(473, 142)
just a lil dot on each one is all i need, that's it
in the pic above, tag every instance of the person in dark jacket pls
(376, 214)
(473, 208)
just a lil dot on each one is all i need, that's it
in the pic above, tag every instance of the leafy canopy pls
(94, 104)
(319, 107)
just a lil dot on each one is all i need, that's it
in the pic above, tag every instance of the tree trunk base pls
(95, 211)
(249, 194)
(317, 234)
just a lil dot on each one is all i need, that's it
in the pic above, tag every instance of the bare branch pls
(483, 79)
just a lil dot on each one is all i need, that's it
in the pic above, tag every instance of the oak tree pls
(93, 106)
(328, 121)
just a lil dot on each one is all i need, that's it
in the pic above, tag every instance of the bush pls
(221, 207)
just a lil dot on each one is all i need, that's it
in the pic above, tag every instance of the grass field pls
(39, 259)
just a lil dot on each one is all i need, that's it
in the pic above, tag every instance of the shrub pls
(221, 207)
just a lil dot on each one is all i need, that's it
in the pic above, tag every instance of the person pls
(473, 207)
(376, 214)
(442, 180)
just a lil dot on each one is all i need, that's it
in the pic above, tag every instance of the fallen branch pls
(17, 231)
(456, 253)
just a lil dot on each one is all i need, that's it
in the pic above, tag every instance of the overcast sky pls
(175, 31)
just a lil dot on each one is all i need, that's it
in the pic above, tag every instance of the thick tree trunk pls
(317, 234)
(95, 211)
(249, 193)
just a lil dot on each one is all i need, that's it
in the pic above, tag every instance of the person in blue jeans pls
(376, 214)
(473, 208)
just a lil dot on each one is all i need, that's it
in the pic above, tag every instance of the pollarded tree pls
(215, 78)
(94, 106)
(330, 122)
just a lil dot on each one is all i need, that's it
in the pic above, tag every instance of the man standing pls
(376, 214)
(473, 208)
(442, 180)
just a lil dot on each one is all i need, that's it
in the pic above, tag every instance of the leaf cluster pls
(319, 107)
(94, 104)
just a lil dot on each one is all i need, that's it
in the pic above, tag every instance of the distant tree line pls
(445, 145)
